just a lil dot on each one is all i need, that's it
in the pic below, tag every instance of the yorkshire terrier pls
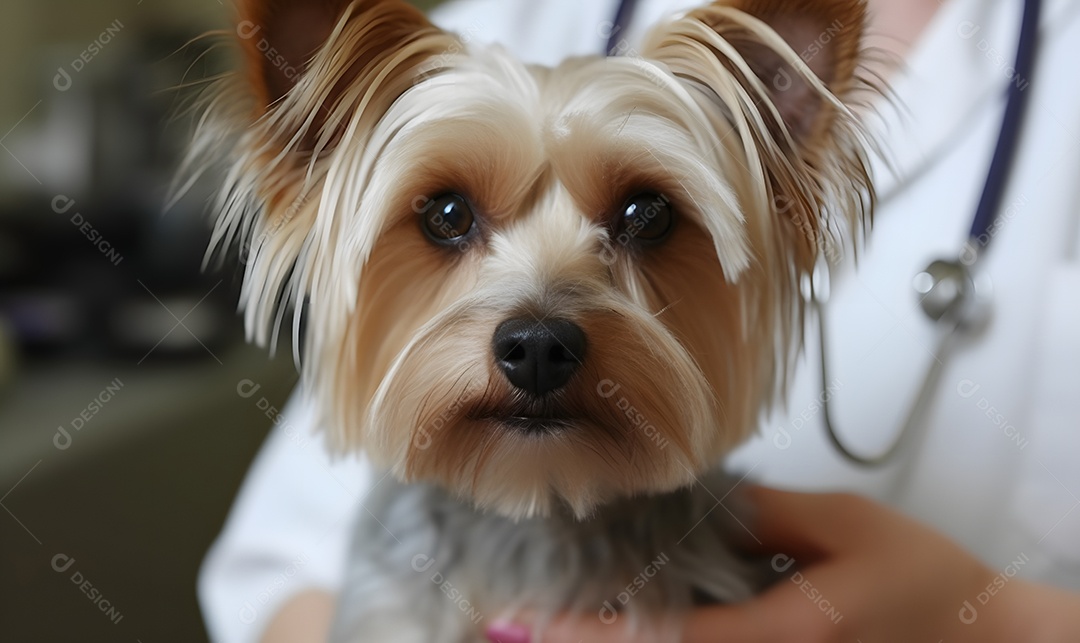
(546, 301)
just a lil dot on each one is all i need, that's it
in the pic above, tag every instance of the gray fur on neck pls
(429, 568)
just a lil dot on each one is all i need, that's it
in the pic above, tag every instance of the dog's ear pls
(784, 74)
(323, 53)
(794, 51)
(294, 131)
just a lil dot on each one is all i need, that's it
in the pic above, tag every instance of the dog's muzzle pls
(539, 356)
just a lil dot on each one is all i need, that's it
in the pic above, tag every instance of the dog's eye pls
(447, 218)
(646, 217)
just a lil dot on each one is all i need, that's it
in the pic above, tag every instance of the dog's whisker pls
(665, 308)
(483, 260)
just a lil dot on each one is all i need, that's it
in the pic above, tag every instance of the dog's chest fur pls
(425, 567)
(484, 253)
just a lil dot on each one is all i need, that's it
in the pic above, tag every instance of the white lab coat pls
(996, 464)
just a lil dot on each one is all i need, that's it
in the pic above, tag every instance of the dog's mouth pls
(531, 419)
(535, 425)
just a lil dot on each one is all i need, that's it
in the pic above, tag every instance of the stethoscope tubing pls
(997, 177)
(986, 216)
(623, 15)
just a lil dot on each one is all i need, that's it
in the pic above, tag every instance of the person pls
(991, 469)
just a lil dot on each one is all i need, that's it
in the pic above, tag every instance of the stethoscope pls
(951, 291)
(624, 13)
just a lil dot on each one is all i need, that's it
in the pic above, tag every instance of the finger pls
(810, 524)
(582, 628)
(783, 614)
(507, 633)
(745, 623)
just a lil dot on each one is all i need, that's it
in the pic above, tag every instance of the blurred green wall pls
(29, 27)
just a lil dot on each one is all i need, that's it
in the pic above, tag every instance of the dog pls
(546, 302)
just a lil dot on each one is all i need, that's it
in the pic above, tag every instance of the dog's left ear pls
(783, 73)
(800, 54)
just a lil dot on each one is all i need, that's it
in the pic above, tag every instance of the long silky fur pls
(284, 202)
(293, 207)
(319, 187)
(827, 182)
(640, 561)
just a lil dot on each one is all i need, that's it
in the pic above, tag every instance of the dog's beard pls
(684, 337)
(444, 413)
(695, 332)
(668, 384)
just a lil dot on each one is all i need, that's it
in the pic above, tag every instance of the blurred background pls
(123, 434)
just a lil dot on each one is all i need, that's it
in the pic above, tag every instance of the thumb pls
(796, 528)
(783, 614)
(774, 617)
(807, 525)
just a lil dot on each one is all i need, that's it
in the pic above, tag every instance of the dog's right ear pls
(293, 130)
(321, 60)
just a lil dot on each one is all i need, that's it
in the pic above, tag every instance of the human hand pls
(852, 570)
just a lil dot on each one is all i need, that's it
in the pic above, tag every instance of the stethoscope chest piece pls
(951, 293)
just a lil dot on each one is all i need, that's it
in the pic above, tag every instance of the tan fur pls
(327, 183)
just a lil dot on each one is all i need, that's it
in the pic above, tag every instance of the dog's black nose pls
(539, 356)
